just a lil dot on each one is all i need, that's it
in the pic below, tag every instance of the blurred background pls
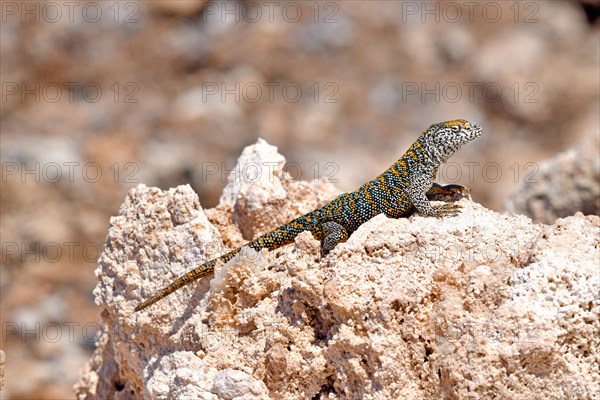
(98, 96)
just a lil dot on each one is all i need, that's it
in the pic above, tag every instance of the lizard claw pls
(447, 210)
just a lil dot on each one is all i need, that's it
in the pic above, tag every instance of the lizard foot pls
(447, 210)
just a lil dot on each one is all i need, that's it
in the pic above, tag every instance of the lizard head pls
(445, 138)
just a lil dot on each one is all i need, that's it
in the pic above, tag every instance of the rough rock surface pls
(565, 184)
(2, 361)
(477, 306)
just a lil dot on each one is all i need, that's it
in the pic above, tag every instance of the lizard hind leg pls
(455, 192)
(334, 234)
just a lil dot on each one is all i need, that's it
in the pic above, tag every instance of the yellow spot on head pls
(460, 122)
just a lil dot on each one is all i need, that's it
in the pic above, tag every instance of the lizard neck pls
(430, 152)
(423, 154)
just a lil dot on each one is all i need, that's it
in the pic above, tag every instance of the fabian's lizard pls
(397, 192)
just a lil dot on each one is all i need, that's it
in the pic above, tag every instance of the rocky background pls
(100, 96)
(477, 306)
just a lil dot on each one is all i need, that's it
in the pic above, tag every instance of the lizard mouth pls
(476, 131)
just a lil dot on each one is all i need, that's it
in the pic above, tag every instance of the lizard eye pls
(455, 128)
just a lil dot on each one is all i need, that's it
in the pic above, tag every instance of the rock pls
(562, 186)
(257, 173)
(2, 362)
(259, 191)
(480, 305)
(233, 384)
(182, 8)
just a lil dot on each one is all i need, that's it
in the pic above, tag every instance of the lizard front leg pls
(420, 188)
(423, 205)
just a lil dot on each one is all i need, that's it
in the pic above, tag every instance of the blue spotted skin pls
(398, 191)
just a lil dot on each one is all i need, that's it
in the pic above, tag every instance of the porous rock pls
(562, 185)
(477, 306)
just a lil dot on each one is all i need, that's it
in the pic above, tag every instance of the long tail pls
(190, 276)
(279, 237)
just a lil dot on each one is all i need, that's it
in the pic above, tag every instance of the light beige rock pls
(562, 185)
(477, 306)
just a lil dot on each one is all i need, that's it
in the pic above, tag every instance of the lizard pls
(398, 192)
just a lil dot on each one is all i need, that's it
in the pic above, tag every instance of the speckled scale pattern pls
(402, 187)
